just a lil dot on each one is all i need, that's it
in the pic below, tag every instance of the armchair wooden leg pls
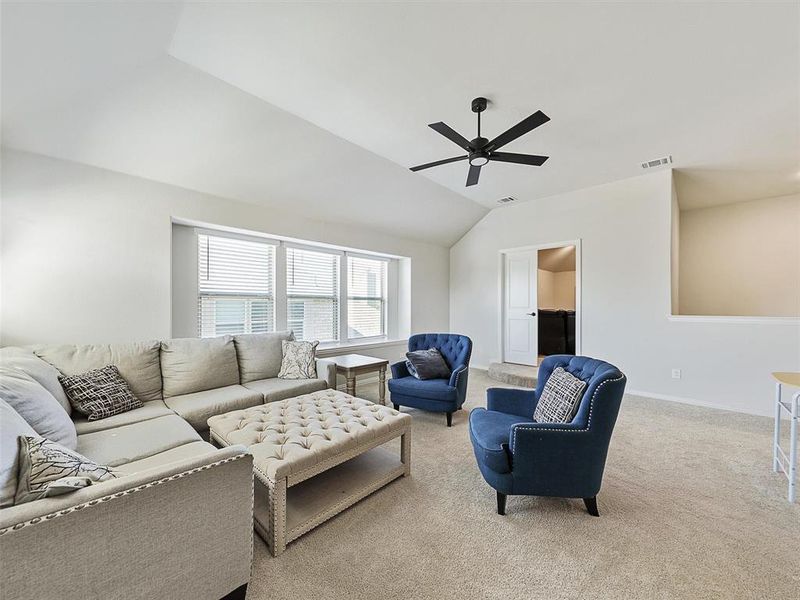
(501, 503)
(449, 419)
(591, 506)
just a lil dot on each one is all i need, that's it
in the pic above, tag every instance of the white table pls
(780, 461)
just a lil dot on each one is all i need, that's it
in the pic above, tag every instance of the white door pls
(520, 292)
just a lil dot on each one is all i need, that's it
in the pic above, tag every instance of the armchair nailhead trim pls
(138, 488)
(588, 424)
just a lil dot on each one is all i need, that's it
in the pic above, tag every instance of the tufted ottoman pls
(314, 456)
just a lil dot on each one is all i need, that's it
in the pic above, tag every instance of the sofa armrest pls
(399, 370)
(182, 530)
(511, 401)
(326, 369)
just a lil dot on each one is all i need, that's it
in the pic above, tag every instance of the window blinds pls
(312, 293)
(366, 297)
(236, 286)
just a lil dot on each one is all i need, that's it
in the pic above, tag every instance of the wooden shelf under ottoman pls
(314, 456)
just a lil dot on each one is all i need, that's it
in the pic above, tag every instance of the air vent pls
(506, 200)
(667, 160)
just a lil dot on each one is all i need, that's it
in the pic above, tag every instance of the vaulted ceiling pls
(322, 107)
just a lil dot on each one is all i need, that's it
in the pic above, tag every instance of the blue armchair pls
(517, 455)
(436, 395)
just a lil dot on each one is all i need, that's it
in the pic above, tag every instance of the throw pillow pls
(12, 426)
(299, 360)
(37, 406)
(560, 398)
(49, 469)
(412, 370)
(40, 370)
(100, 393)
(429, 364)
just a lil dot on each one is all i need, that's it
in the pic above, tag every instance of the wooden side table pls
(351, 365)
(781, 462)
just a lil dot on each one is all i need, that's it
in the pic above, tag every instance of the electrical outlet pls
(676, 373)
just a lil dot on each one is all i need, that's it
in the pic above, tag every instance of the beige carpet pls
(689, 509)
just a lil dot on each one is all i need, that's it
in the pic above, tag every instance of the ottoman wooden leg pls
(277, 515)
(405, 452)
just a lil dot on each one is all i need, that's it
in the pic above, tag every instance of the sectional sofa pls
(178, 523)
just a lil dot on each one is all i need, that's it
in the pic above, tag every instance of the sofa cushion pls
(12, 425)
(41, 370)
(196, 408)
(279, 389)
(135, 441)
(149, 410)
(260, 354)
(191, 365)
(49, 469)
(138, 363)
(432, 389)
(177, 454)
(100, 393)
(489, 431)
(37, 406)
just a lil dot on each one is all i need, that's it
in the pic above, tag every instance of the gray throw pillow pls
(299, 360)
(49, 469)
(428, 364)
(560, 398)
(12, 426)
(37, 406)
(40, 370)
(100, 393)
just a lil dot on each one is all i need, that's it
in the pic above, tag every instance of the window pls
(235, 286)
(366, 297)
(312, 294)
(258, 284)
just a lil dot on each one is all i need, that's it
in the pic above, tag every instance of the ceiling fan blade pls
(473, 175)
(438, 162)
(520, 129)
(522, 159)
(451, 134)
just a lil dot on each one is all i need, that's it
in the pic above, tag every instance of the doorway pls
(540, 302)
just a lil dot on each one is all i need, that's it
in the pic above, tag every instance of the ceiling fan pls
(481, 151)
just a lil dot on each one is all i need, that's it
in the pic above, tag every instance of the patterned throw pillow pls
(412, 370)
(299, 360)
(560, 399)
(49, 469)
(99, 393)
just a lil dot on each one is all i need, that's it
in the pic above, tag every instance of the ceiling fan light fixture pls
(478, 160)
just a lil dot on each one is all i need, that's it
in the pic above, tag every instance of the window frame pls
(248, 298)
(384, 299)
(280, 297)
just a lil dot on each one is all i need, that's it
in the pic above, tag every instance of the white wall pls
(741, 259)
(86, 252)
(625, 228)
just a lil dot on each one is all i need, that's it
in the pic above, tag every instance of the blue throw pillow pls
(428, 364)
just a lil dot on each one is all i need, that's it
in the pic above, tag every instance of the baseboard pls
(695, 402)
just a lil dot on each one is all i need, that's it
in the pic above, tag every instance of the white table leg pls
(793, 448)
(776, 440)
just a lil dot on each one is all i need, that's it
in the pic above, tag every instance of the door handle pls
(532, 314)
